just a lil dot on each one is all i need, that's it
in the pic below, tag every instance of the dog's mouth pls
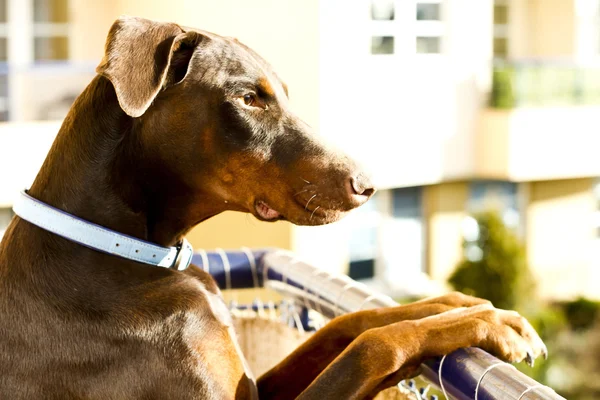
(266, 212)
(302, 216)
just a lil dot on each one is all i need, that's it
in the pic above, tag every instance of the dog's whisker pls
(305, 180)
(309, 200)
(313, 213)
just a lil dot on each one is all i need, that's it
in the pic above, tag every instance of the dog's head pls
(216, 119)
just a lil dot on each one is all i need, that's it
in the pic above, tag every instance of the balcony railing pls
(542, 84)
(465, 374)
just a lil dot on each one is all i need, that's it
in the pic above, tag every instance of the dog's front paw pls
(505, 334)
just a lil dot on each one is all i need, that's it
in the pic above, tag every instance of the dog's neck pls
(96, 170)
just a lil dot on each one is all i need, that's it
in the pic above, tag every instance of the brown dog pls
(179, 126)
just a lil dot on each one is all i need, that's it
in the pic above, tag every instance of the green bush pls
(501, 275)
(581, 313)
(502, 95)
(571, 330)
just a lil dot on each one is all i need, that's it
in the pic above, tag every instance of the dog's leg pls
(381, 357)
(348, 334)
(290, 377)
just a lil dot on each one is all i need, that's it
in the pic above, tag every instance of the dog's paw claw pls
(545, 352)
(530, 360)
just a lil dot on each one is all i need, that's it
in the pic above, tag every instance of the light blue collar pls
(100, 238)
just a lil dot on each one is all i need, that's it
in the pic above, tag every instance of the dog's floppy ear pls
(144, 56)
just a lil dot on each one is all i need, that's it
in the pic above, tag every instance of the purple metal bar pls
(463, 375)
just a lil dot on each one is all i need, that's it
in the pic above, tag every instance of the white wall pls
(410, 118)
(562, 244)
(285, 33)
(528, 144)
(23, 148)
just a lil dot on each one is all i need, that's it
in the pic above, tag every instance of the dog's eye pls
(250, 99)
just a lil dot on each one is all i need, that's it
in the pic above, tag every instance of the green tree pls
(502, 94)
(501, 274)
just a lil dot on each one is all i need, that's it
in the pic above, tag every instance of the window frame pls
(501, 31)
(20, 31)
(430, 28)
(405, 28)
(49, 30)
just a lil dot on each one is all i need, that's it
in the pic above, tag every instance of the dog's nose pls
(360, 189)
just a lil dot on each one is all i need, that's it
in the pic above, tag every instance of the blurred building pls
(454, 105)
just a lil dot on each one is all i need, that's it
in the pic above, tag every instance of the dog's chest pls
(220, 358)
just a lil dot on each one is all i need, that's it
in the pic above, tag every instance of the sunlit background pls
(479, 120)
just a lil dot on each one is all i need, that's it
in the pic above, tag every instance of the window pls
(364, 223)
(362, 269)
(3, 31)
(3, 49)
(51, 29)
(50, 11)
(3, 94)
(6, 215)
(382, 10)
(491, 195)
(404, 239)
(33, 34)
(428, 12)
(496, 195)
(428, 45)
(387, 239)
(500, 13)
(501, 21)
(406, 27)
(50, 48)
(500, 47)
(406, 202)
(3, 11)
(382, 45)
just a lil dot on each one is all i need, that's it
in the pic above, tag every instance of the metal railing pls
(542, 83)
(465, 374)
